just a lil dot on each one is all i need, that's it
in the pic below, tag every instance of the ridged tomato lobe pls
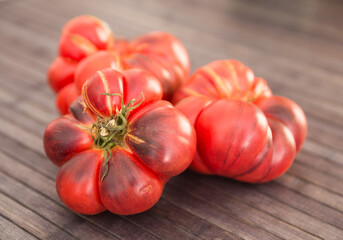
(236, 146)
(284, 150)
(83, 36)
(192, 108)
(63, 138)
(163, 139)
(141, 82)
(77, 109)
(77, 183)
(88, 66)
(106, 81)
(260, 165)
(162, 55)
(289, 113)
(129, 186)
(65, 97)
(61, 73)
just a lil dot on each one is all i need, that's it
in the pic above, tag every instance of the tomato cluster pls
(116, 155)
(119, 142)
(88, 45)
(243, 131)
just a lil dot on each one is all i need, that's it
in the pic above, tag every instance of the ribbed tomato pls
(120, 144)
(81, 37)
(243, 131)
(87, 45)
(161, 54)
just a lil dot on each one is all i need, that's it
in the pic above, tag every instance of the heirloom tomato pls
(243, 131)
(120, 144)
(87, 45)
(81, 37)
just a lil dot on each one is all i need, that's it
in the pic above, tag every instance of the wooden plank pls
(160, 226)
(7, 98)
(320, 163)
(22, 136)
(247, 213)
(11, 231)
(17, 88)
(246, 193)
(326, 134)
(65, 219)
(194, 224)
(221, 217)
(28, 220)
(303, 203)
(316, 177)
(323, 151)
(312, 192)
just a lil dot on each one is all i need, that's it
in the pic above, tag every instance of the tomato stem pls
(110, 132)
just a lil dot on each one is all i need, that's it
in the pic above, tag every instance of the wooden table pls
(297, 47)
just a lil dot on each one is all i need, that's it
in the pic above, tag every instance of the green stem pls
(110, 132)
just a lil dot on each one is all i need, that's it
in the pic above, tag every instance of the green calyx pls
(110, 132)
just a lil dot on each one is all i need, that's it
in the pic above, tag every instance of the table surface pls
(298, 48)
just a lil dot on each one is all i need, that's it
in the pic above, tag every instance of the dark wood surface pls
(297, 46)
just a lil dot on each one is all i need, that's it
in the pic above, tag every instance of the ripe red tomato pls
(243, 131)
(161, 54)
(81, 37)
(87, 45)
(116, 153)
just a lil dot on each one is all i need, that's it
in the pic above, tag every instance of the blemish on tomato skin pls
(147, 189)
(135, 139)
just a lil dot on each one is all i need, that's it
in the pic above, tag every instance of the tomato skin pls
(97, 61)
(243, 131)
(172, 147)
(61, 73)
(161, 54)
(83, 36)
(191, 107)
(130, 187)
(231, 131)
(64, 138)
(158, 143)
(138, 81)
(77, 185)
(65, 97)
(289, 113)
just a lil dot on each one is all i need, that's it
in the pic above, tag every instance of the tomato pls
(81, 37)
(161, 54)
(119, 145)
(243, 131)
(66, 96)
(87, 45)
